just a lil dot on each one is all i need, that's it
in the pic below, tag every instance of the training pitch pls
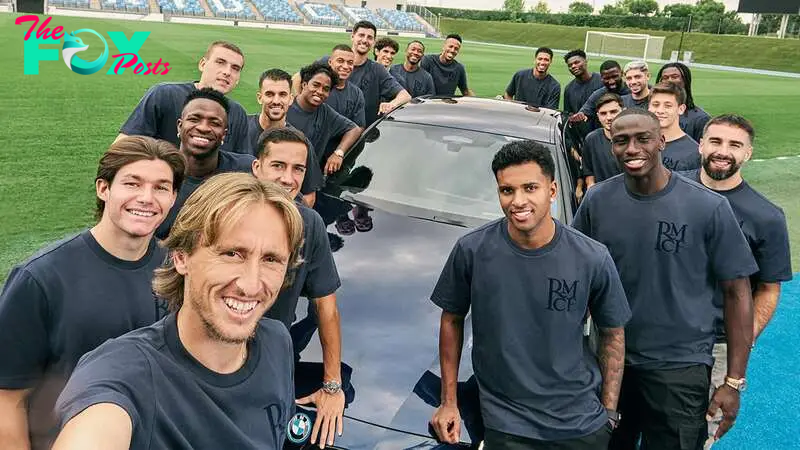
(55, 125)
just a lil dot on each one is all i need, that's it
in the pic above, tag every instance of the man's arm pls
(447, 420)
(14, 425)
(310, 199)
(554, 98)
(330, 408)
(103, 426)
(612, 362)
(589, 181)
(738, 316)
(765, 301)
(400, 99)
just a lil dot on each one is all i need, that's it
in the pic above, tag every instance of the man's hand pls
(333, 164)
(330, 408)
(447, 423)
(726, 399)
(578, 117)
(385, 107)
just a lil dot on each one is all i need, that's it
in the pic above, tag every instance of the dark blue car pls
(424, 174)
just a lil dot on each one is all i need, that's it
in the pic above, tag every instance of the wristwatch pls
(737, 384)
(331, 387)
(615, 417)
(339, 152)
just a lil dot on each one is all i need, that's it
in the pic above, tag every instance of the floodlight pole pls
(688, 29)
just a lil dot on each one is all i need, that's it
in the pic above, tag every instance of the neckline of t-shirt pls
(739, 187)
(678, 139)
(123, 264)
(529, 252)
(673, 180)
(207, 375)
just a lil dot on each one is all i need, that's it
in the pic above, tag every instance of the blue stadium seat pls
(400, 20)
(277, 11)
(322, 14)
(181, 7)
(366, 14)
(231, 9)
(137, 6)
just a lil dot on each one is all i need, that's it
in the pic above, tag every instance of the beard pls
(720, 175)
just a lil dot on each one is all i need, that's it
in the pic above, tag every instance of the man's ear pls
(202, 64)
(681, 109)
(102, 188)
(181, 262)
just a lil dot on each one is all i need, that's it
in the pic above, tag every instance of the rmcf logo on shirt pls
(127, 58)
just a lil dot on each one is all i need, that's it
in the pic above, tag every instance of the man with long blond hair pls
(212, 373)
(72, 296)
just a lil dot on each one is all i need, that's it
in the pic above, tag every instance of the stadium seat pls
(137, 6)
(277, 11)
(365, 14)
(321, 14)
(400, 20)
(231, 9)
(182, 7)
(74, 4)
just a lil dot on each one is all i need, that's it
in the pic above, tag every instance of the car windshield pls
(439, 169)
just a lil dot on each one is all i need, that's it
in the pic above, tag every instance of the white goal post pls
(624, 45)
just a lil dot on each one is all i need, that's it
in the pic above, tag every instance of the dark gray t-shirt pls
(681, 154)
(693, 121)
(629, 102)
(598, 161)
(536, 376)
(764, 226)
(313, 179)
(228, 162)
(577, 92)
(63, 302)
(319, 126)
(544, 93)
(158, 112)
(348, 102)
(417, 83)
(375, 83)
(671, 250)
(317, 275)
(589, 107)
(446, 77)
(175, 402)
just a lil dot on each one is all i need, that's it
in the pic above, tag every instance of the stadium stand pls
(322, 14)
(357, 14)
(277, 11)
(400, 20)
(182, 7)
(75, 4)
(231, 9)
(138, 6)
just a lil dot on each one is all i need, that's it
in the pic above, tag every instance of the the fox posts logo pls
(73, 44)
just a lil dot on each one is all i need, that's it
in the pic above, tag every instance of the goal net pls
(624, 45)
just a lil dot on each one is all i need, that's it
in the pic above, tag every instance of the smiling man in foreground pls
(674, 242)
(213, 373)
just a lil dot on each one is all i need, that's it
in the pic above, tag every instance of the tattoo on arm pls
(612, 363)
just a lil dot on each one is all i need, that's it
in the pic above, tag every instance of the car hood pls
(389, 324)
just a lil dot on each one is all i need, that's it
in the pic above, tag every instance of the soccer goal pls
(624, 45)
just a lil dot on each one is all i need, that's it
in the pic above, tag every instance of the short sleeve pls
(772, 252)
(730, 255)
(568, 100)
(430, 88)
(555, 97)
(23, 331)
(322, 277)
(145, 117)
(389, 87)
(588, 108)
(607, 301)
(511, 89)
(339, 124)
(313, 179)
(115, 372)
(452, 291)
(462, 79)
(587, 164)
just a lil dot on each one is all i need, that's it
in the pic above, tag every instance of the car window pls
(442, 169)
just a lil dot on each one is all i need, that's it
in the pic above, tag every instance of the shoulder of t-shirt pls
(53, 254)
(235, 107)
(311, 218)
(173, 86)
(473, 238)
(686, 138)
(768, 209)
(581, 242)
(553, 81)
(701, 191)
(596, 134)
(605, 187)
(274, 331)
(238, 161)
(690, 174)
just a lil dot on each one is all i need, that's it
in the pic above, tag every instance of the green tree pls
(617, 9)
(541, 8)
(642, 7)
(580, 8)
(515, 7)
(679, 10)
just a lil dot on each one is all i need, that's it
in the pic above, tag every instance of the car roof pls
(506, 117)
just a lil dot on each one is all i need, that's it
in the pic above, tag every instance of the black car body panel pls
(389, 325)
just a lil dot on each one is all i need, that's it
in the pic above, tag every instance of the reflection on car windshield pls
(434, 168)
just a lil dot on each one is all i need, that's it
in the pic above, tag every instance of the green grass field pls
(55, 125)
